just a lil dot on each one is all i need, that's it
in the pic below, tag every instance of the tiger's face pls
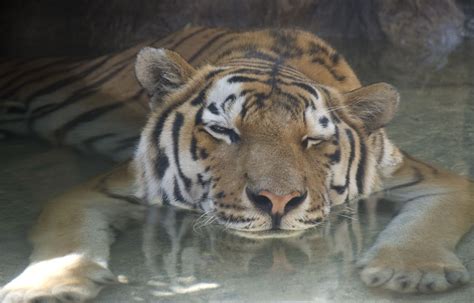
(256, 146)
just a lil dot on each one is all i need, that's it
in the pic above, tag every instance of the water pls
(177, 257)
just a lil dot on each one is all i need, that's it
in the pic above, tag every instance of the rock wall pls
(89, 27)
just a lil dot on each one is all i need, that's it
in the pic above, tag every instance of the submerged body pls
(262, 130)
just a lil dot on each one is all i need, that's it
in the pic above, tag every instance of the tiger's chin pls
(265, 225)
(266, 230)
(267, 234)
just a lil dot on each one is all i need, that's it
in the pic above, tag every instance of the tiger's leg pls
(71, 242)
(415, 253)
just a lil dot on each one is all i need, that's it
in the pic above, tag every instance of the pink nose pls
(273, 204)
(279, 203)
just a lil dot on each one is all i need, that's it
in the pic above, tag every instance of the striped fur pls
(276, 87)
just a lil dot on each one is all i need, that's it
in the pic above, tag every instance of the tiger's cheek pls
(221, 162)
(229, 175)
(317, 177)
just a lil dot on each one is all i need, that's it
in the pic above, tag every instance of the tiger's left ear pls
(161, 71)
(375, 105)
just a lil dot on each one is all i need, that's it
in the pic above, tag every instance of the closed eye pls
(219, 129)
(224, 133)
(307, 142)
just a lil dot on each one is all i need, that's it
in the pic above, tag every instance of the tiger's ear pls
(375, 105)
(161, 71)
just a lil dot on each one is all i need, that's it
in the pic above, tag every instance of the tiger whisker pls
(205, 219)
(347, 216)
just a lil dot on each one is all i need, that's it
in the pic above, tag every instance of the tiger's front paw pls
(406, 270)
(65, 279)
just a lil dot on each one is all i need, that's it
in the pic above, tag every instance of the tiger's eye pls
(308, 142)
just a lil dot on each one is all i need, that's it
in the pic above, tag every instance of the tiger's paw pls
(405, 270)
(68, 279)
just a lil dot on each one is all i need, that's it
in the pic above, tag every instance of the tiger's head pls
(257, 145)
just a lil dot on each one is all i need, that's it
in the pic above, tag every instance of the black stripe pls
(160, 122)
(15, 89)
(177, 124)
(240, 79)
(213, 109)
(41, 109)
(252, 70)
(182, 40)
(333, 73)
(158, 128)
(165, 198)
(206, 46)
(61, 133)
(84, 92)
(225, 43)
(306, 102)
(290, 78)
(350, 136)
(360, 175)
(198, 117)
(418, 178)
(31, 71)
(335, 157)
(214, 73)
(255, 54)
(89, 116)
(340, 189)
(193, 148)
(162, 163)
(177, 193)
(102, 188)
(65, 81)
(307, 88)
(164, 41)
(250, 63)
(336, 135)
(201, 96)
(15, 66)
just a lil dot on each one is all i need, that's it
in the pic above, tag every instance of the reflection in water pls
(184, 256)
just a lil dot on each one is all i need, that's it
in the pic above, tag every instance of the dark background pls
(90, 27)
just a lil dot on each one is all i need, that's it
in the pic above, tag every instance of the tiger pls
(265, 131)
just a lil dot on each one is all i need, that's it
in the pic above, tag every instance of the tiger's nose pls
(276, 205)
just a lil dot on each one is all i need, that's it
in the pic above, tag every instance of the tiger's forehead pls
(237, 95)
(224, 102)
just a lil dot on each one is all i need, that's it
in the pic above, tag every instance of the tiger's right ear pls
(161, 71)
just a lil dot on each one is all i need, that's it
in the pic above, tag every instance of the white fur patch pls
(315, 118)
(223, 104)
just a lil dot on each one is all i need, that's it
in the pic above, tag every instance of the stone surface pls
(78, 28)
